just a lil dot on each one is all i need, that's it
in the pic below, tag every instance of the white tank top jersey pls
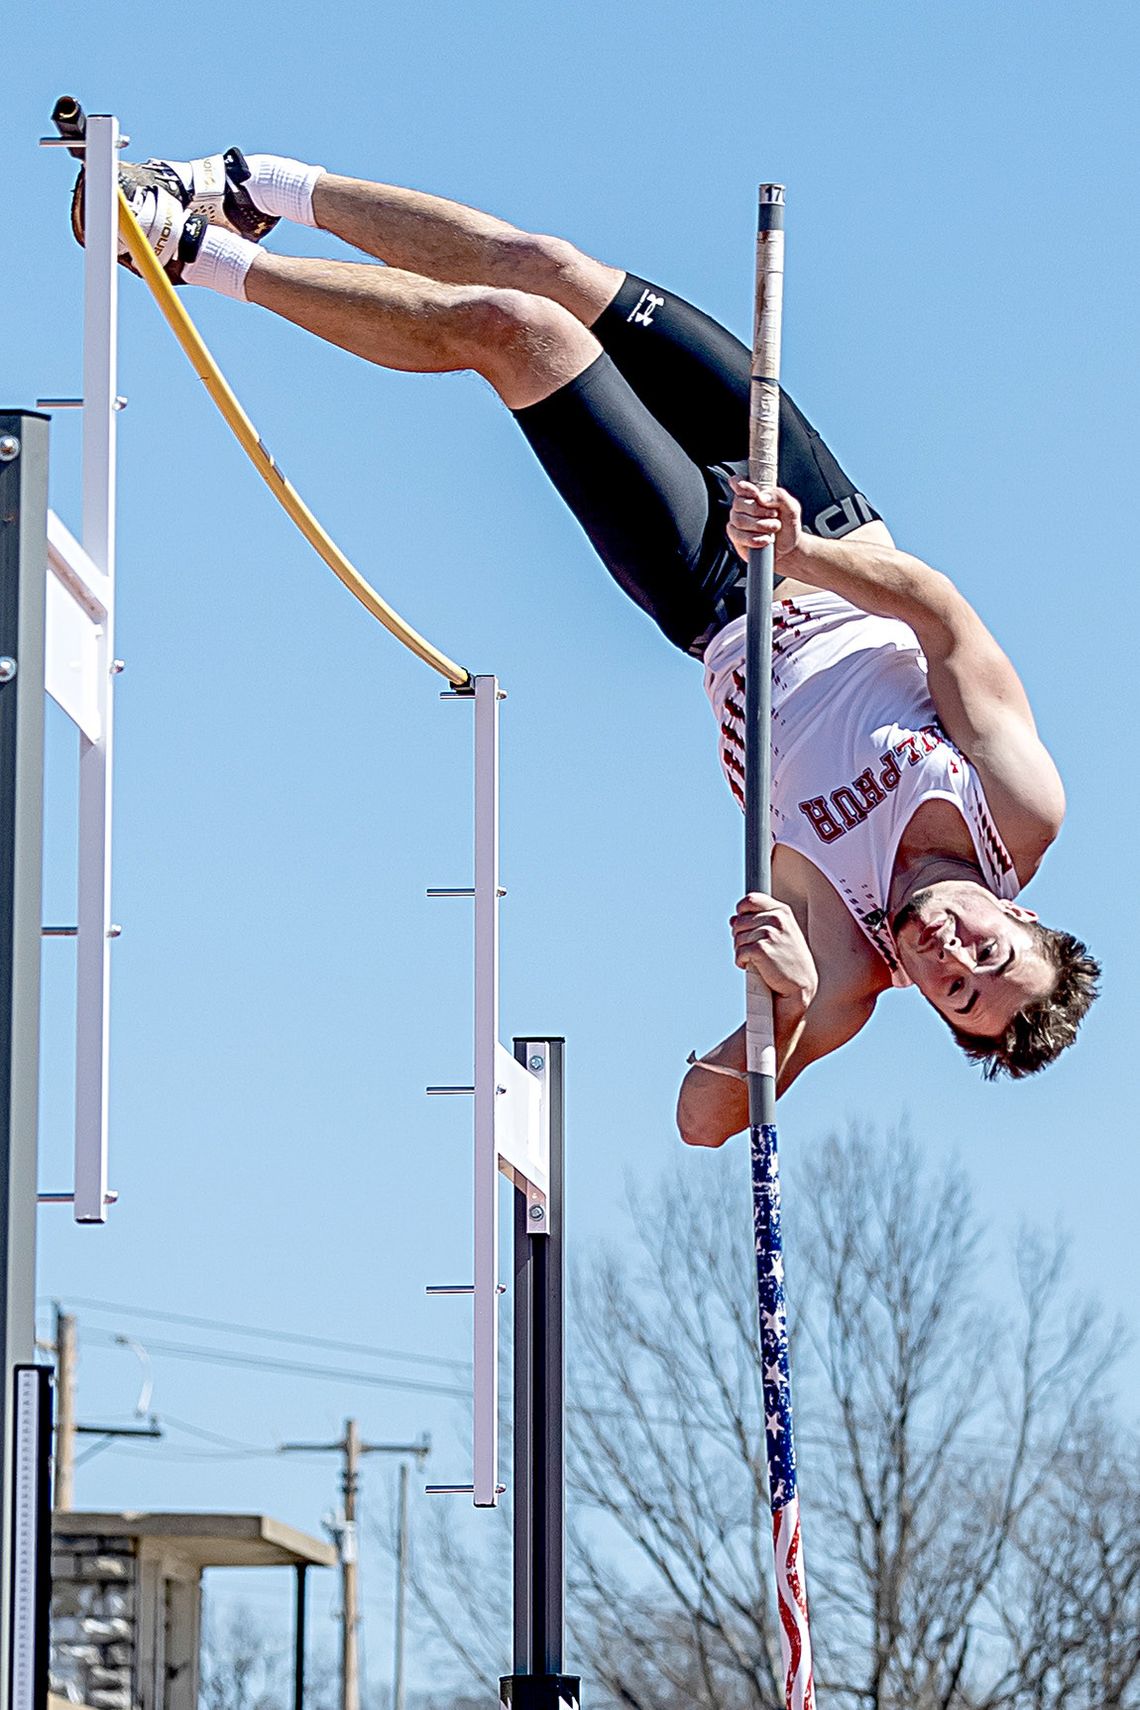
(856, 750)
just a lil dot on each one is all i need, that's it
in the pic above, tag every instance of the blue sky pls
(959, 323)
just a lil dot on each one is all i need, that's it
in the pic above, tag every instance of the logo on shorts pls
(647, 303)
(841, 518)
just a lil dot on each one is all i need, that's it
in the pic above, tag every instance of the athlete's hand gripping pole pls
(795, 1640)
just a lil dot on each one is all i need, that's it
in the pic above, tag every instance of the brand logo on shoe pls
(209, 176)
(647, 304)
(161, 239)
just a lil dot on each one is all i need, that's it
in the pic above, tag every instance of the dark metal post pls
(299, 1637)
(538, 1682)
(23, 572)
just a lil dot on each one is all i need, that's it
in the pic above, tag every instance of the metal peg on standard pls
(9, 447)
(458, 1489)
(536, 1064)
(7, 668)
(74, 403)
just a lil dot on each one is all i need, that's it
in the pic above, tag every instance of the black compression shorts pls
(641, 445)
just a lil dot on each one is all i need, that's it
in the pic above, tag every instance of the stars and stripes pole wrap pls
(791, 1591)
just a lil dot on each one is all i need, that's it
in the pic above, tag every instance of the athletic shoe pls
(215, 187)
(174, 231)
(165, 195)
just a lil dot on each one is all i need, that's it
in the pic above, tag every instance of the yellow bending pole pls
(249, 439)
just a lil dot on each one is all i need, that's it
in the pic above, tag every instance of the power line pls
(229, 1327)
(233, 1443)
(218, 1356)
(292, 1368)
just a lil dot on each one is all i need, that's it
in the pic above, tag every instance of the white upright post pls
(486, 1228)
(512, 1113)
(100, 350)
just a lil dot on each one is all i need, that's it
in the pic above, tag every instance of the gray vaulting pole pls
(795, 1641)
(763, 458)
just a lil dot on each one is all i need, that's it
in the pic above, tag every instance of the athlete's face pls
(971, 955)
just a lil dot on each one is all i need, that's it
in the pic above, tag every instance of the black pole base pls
(540, 1692)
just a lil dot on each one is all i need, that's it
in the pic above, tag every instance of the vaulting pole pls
(791, 1593)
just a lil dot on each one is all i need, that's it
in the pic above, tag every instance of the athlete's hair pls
(1040, 1032)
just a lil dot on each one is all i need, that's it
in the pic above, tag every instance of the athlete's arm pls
(809, 1022)
(978, 695)
(711, 1108)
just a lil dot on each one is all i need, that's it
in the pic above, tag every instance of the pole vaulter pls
(910, 795)
(917, 799)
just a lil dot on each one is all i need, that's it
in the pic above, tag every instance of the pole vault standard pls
(517, 1096)
(57, 609)
(791, 1591)
(518, 1134)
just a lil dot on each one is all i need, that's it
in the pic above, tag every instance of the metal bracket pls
(522, 1134)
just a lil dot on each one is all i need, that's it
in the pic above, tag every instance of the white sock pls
(282, 187)
(222, 263)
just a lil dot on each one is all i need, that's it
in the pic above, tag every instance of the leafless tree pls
(944, 1416)
(963, 1548)
(247, 1665)
(459, 1595)
(459, 1587)
(1071, 1608)
(244, 1666)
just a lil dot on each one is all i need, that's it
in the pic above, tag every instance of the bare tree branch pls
(971, 1515)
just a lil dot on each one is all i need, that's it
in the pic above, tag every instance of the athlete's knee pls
(524, 344)
(546, 264)
(509, 328)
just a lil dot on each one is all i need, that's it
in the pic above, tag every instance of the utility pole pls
(349, 1555)
(352, 1449)
(401, 1589)
(65, 1347)
(65, 1364)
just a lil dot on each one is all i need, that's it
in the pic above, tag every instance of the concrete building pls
(126, 1610)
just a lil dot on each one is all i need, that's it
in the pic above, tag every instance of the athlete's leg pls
(691, 372)
(525, 345)
(652, 513)
(461, 245)
(642, 501)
